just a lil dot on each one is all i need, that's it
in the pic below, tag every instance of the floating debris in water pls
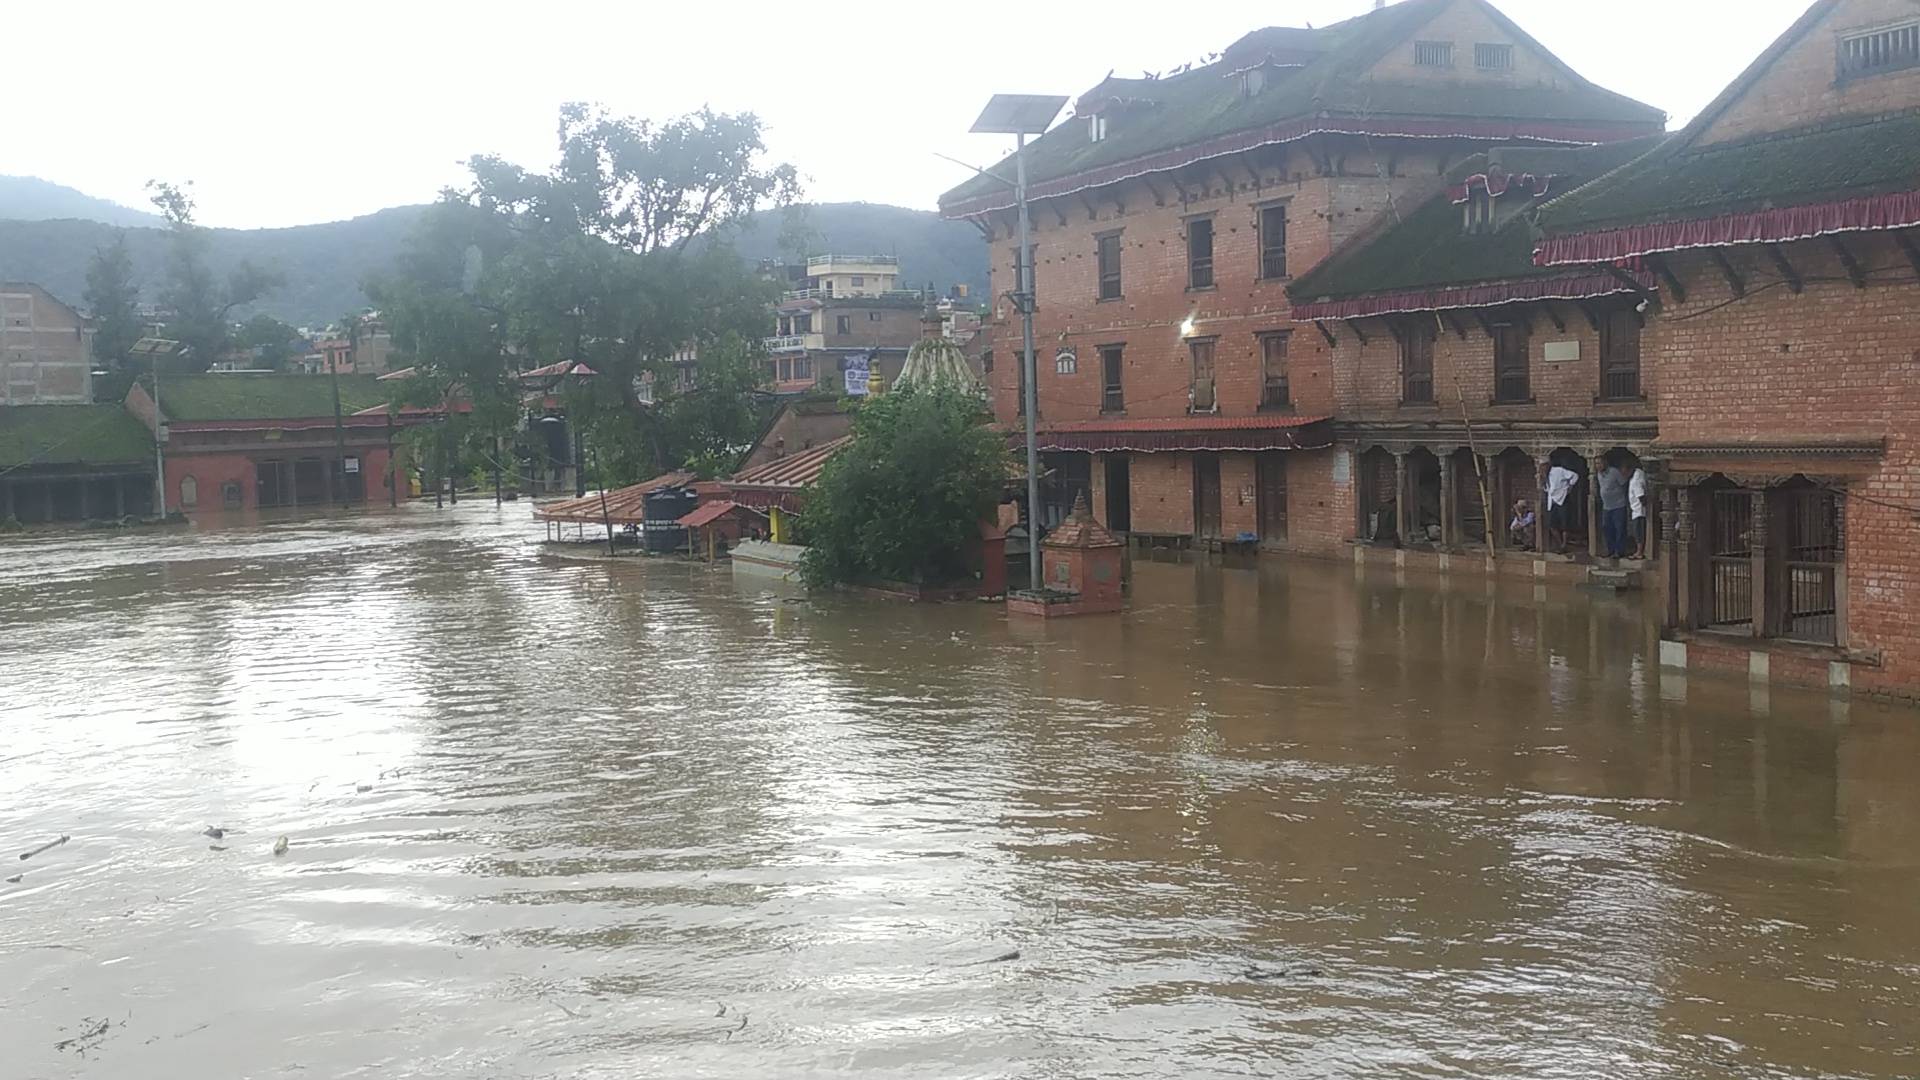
(216, 847)
(49, 845)
(363, 787)
(280, 846)
(15, 879)
(214, 831)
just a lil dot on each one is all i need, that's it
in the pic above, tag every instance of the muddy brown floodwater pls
(553, 819)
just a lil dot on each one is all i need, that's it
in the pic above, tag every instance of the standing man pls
(1613, 510)
(1560, 482)
(1637, 504)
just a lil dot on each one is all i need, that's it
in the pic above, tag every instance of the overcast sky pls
(288, 113)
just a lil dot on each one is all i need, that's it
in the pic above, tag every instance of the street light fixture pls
(1021, 115)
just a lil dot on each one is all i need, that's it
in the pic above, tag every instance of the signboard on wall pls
(859, 370)
(1561, 352)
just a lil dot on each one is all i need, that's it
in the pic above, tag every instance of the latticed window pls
(1433, 53)
(1889, 48)
(1200, 253)
(1203, 397)
(1416, 362)
(1620, 353)
(1274, 392)
(1108, 253)
(1810, 520)
(1511, 344)
(1113, 396)
(1490, 57)
(1273, 242)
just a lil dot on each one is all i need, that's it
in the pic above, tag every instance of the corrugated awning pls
(1272, 432)
(708, 513)
(622, 506)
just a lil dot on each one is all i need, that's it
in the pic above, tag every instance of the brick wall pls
(1322, 211)
(1162, 493)
(1464, 25)
(1802, 87)
(1834, 362)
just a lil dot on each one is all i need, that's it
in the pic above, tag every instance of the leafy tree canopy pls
(595, 262)
(273, 340)
(114, 300)
(904, 500)
(200, 306)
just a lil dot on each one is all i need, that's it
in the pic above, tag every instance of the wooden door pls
(1119, 493)
(1271, 495)
(1206, 496)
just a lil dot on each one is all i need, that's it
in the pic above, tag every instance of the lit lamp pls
(1021, 115)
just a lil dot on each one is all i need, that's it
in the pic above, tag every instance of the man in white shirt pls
(1560, 484)
(1637, 504)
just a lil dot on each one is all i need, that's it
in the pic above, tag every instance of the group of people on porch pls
(1623, 511)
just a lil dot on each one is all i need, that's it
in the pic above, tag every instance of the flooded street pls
(554, 819)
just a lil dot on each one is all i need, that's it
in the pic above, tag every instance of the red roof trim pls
(1895, 211)
(355, 421)
(1488, 294)
(1288, 131)
(1158, 435)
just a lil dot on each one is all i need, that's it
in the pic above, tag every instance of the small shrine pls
(1080, 570)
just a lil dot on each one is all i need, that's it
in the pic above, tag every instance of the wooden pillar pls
(1400, 516)
(119, 497)
(1594, 548)
(1498, 513)
(46, 500)
(1686, 560)
(1670, 616)
(1540, 508)
(86, 498)
(1765, 617)
(6, 500)
(1449, 502)
(1840, 572)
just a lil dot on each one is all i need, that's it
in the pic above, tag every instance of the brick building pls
(246, 441)
(841, 306)
(1781, 233)
(46, 349)
(1171, 213)
(1461, 369)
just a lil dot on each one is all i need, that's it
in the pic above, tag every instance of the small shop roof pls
(708, 513)
(198, 398)
(621, 506)
(797, 470)
(75, 435)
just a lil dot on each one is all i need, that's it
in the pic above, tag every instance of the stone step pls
(1612, 579)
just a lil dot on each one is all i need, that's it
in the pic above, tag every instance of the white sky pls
(286, 113)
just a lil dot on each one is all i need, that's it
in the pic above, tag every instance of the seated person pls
(1520, 529)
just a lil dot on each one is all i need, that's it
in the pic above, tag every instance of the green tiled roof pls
(264, 397)
(72, 435)
(1195, 106)
(1829, 162)
(1429, 249)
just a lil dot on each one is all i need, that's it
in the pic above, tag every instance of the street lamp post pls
(1021, 115)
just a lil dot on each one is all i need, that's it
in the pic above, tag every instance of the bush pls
(904, 500)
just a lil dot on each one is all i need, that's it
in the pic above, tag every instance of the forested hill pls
(325, 264)
(29, 198)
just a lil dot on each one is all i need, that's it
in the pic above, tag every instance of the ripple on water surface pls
(569, 819)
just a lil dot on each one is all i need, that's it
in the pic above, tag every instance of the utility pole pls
(339, 432)
(1021, 115)
(159, 444)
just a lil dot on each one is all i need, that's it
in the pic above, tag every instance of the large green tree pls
(273, 340)
(114, 299)
(200, 305)
(904, 500)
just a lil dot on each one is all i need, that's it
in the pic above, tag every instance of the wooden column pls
(86, 498)
(6, 499)
(1540, 507)
(1764, 615)
(46, 500)
(1400, 516)
(1594, 548)
(1449, 499)
(1671, 611)
(1499, 513)
(1840, 573)
(1685, 561)
(119, 497)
